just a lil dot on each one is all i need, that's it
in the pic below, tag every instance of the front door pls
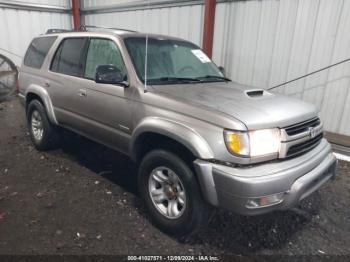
(108, 107)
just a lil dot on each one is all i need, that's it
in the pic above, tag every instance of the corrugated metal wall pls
(18, 27)
(182, 21)
(65, 3)
(265, 43)
(93, 3)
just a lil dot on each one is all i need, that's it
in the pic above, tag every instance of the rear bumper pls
(292, 179)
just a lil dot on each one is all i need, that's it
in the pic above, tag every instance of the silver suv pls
(199, 139)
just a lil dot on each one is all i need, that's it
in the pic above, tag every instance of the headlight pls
(253, 143)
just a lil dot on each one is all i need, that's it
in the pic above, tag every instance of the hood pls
(255, 108)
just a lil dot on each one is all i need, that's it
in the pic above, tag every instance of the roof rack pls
(55, 31)
(87, 27)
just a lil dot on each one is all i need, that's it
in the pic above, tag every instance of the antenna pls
(146, 62)
(146, 52)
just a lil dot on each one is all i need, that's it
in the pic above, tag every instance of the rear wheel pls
(171, 193)
(43, 134)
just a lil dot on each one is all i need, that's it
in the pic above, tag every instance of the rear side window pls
(69, 57)
(38, 50)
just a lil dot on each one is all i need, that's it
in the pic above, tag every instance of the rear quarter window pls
(38, 50)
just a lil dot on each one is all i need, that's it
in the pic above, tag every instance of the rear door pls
(66, 85)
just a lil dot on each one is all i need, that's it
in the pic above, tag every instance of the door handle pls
(47, 84)
(82, 92)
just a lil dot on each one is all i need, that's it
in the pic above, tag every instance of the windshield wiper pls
(174, 79)
(215, 77)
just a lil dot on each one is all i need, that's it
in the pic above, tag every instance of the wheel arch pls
(154, 131)
(41, 94)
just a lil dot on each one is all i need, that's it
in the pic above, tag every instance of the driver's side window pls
(102, 52)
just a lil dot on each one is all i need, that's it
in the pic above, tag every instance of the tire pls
(36, 115)
(184, 221)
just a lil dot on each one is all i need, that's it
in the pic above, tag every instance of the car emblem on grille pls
(312, 132)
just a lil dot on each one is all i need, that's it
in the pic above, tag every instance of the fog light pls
(265, 201)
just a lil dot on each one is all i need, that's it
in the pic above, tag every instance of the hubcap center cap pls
(170, 192)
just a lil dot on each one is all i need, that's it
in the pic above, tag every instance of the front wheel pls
(171, 193)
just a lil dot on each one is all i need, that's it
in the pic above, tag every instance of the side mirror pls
(222, 70)
(109, 74)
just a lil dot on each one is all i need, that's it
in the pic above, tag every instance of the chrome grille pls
(300, 138)
(304, 146)
(302, 127)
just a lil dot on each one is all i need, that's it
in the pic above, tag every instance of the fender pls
(44, 95)
(185, 135)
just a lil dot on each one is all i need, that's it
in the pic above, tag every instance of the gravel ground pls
(82, 199)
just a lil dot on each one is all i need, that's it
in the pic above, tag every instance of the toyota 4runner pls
(199, 139)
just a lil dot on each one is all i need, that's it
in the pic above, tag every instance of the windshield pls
(171, 61)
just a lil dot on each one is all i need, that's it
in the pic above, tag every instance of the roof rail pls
(87, 27)
(55, 31)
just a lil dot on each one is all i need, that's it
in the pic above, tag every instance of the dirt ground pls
(82, 199)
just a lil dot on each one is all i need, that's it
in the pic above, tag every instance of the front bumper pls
(295, 178)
